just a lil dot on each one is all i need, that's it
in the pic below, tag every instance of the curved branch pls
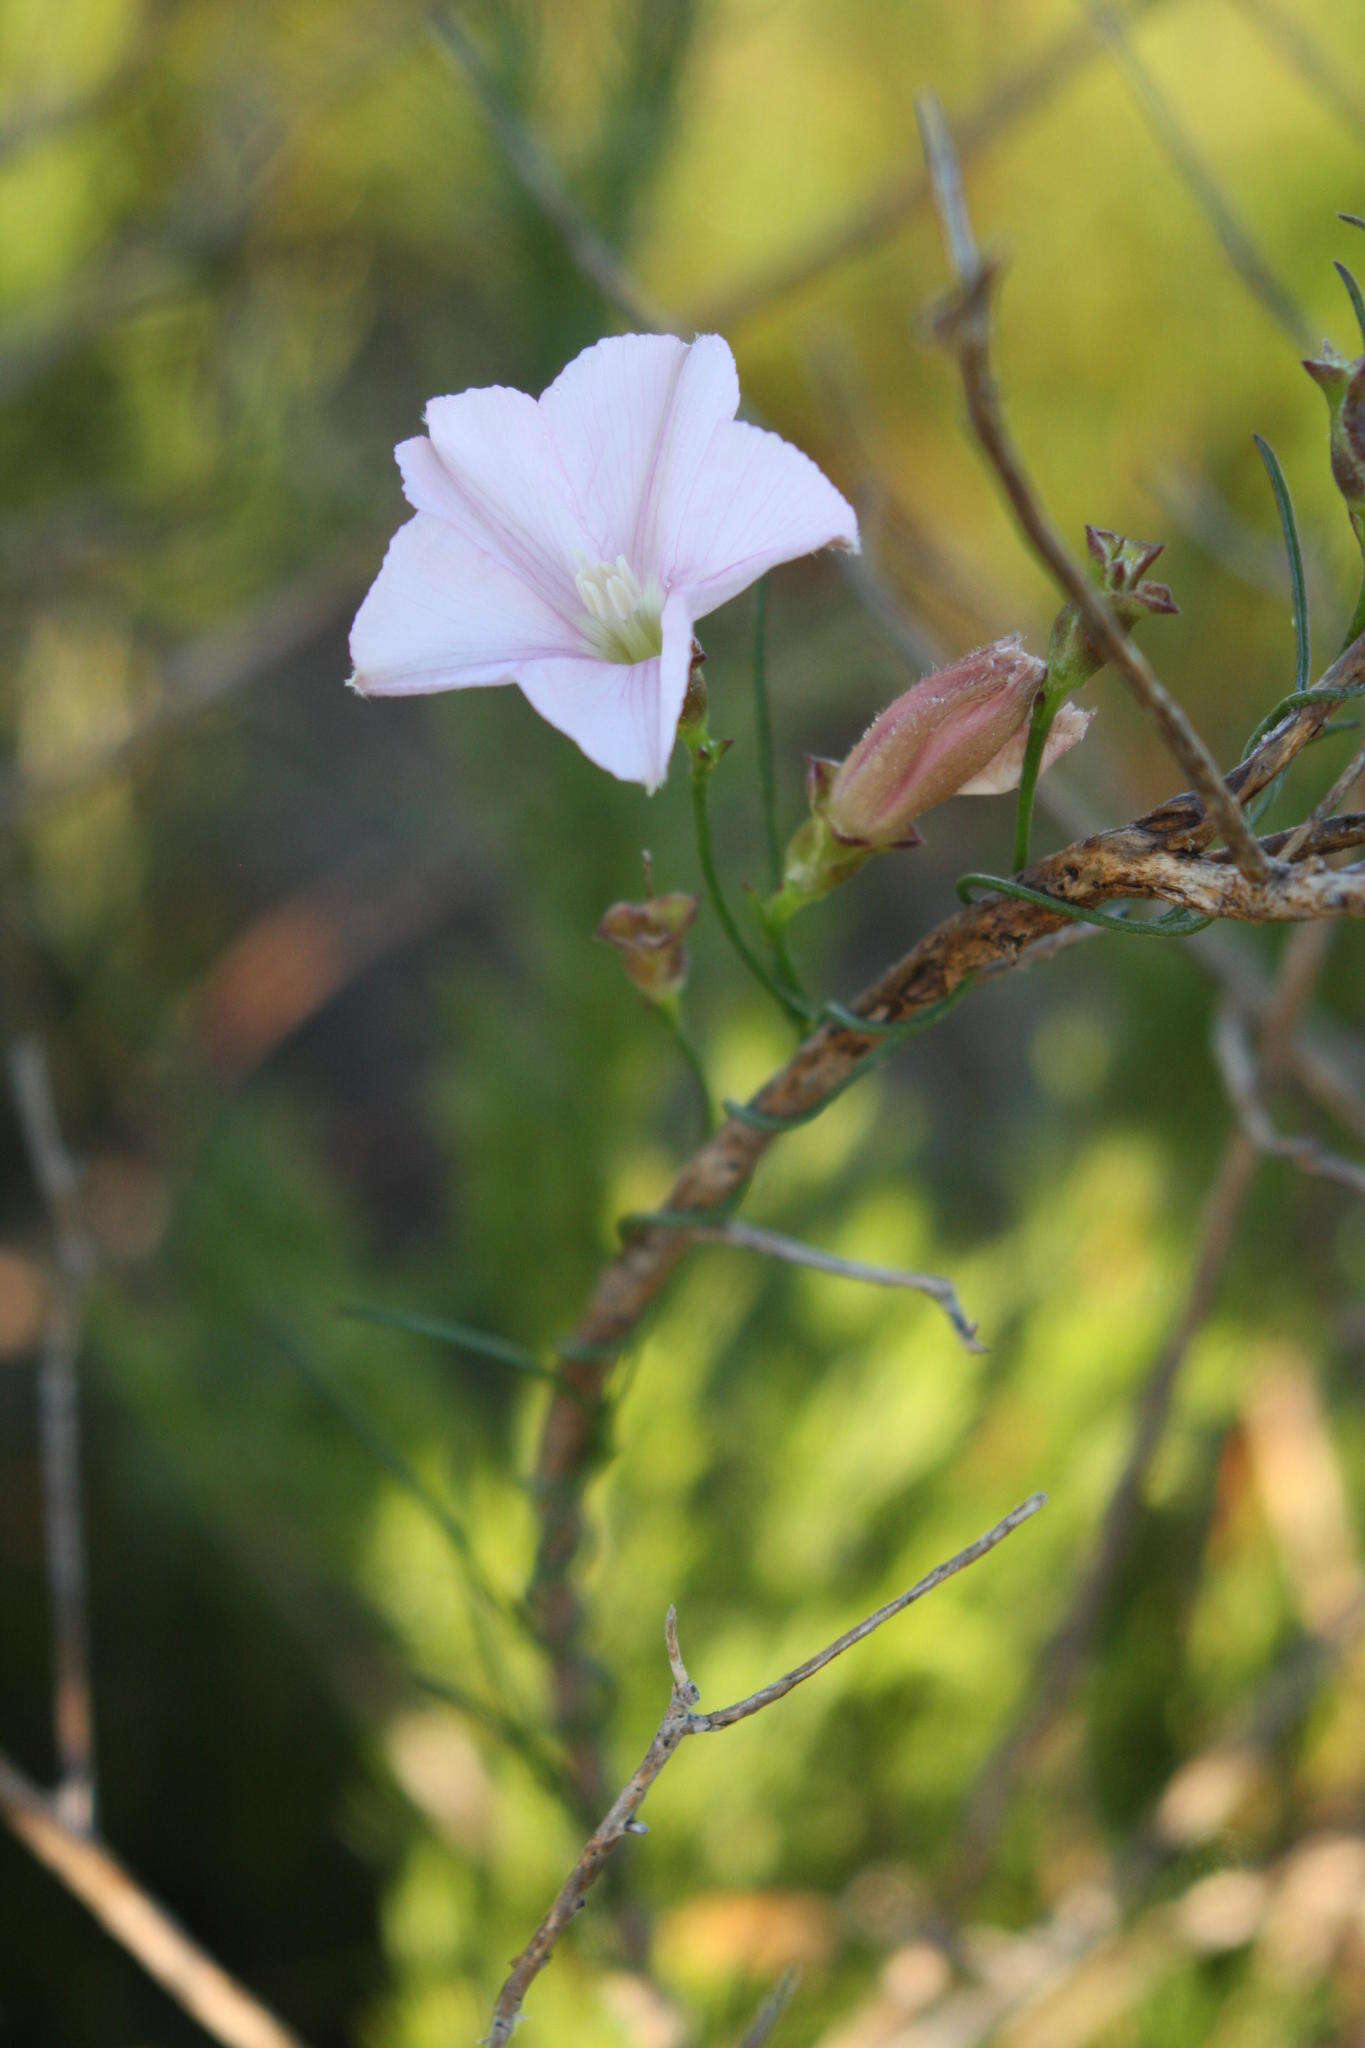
(991, 937)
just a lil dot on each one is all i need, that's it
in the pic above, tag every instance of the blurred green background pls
(317, 983)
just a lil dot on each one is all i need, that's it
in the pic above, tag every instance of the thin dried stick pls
(59, 1434)
(94, 1875)
(1234, 238)
(1337, 794)
(1017, 97)
(963, 324)
(991, 937)
(1242, 1078)
(1059, 1661)
(681, 1720)
(772, 1245)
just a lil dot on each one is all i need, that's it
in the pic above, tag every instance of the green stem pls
(785, 965)
(670, 1015)
(1040, 725)
(701, 775)
(763, 728)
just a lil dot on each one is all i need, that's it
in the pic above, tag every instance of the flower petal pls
(1003, 770)
(632, 419)
(755, 501)
(443, 615)
(624, 717)
(498, 478)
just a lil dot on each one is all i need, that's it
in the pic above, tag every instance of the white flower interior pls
(622, 618)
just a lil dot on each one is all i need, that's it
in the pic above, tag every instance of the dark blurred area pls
(314, 987)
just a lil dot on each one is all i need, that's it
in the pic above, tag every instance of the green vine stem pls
(670, 1016)
(1040, 725)
(704, 758)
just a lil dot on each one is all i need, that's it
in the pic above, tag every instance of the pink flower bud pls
(943, 732)
(649, 938)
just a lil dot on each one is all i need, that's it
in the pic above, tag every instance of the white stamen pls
(622, 617)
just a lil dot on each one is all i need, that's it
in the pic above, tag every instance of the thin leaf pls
(396, 1465)
(478, 1343)
(1356, 295)
(1285, 506)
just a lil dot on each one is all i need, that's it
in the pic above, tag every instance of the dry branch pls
(963, 325)
(990, 937)
(94, 1875)
(681, 1720)
(772, 1245)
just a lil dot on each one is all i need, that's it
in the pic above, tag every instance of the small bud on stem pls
(947, 735)
(1342, 384)
(649, 938)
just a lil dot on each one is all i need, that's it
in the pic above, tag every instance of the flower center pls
(622, 619)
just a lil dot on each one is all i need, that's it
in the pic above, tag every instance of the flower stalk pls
(706, 754)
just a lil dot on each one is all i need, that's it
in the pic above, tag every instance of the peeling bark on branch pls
(1155, 858)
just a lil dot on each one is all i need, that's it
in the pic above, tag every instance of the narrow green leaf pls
(1285, 506)
(478, 1343)
(1356, 296)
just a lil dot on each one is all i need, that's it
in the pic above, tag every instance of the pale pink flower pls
(568, 543)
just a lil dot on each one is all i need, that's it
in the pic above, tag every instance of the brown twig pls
(1337, 794)
(963, 325)
(992, 936)
(59, 1434)
(772, 1245)
(94, 1875)
(681, 1720)
(1058, 1663)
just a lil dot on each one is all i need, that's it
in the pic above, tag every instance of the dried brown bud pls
(649, 938)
